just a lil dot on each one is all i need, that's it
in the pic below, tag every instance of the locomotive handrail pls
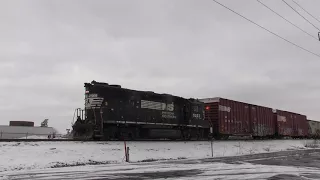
(74, 114)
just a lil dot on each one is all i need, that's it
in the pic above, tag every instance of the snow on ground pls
(168, 171)
(38, 155)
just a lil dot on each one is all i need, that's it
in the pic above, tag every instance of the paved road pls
(291, 165)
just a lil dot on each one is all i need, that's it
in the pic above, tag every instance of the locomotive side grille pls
(156, 105)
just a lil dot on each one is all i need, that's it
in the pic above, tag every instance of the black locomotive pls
(112, 112)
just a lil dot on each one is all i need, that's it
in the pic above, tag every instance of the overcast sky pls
(191, 48)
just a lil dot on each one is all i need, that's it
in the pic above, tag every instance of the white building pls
(28, 132)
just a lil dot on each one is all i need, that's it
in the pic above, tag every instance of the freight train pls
(115, 113)
(233, 118)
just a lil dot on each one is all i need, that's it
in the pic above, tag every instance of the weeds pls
(267, 149)
(252, 150)
(90, 162)
(314, 144)
(162, 159)
(224, 150)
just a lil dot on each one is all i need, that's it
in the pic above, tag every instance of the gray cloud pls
(48, 49)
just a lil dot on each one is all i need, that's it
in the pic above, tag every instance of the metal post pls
(128, 159)
(27, 136)
(1, 135)
(125, 150)
(211, 147)
(211, 134)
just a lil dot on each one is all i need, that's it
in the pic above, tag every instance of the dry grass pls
(314, 144)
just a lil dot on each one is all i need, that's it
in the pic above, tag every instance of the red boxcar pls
(291, 124)
(262, 121)
(228, 117)
(301, 126)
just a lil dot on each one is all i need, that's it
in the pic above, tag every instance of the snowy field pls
(38, 155)
(168, 171)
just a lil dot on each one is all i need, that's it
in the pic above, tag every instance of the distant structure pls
(68, 135)
(21, 123)
(44, 123)
(27, 130)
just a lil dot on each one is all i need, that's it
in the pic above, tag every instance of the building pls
(25, 129)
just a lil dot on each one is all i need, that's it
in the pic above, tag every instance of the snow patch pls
(40, 155)
(240, 171)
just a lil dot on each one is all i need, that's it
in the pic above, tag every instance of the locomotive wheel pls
(198, 137)
(189, 137)
(131, 136)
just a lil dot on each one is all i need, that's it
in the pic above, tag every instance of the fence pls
(28, 135)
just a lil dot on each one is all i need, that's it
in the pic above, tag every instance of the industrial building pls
(26, 129)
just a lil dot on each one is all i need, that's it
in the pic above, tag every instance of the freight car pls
(113, 112)
(314, 129)
(289, 124)
(233, 118)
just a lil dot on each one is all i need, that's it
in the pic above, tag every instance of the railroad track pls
(141, 140)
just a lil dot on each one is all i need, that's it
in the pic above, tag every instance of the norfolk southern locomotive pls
(112, 112)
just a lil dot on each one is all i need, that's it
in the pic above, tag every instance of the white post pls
(211, 132)
(211, 147)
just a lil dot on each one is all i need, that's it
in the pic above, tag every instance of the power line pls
(300, 14)
(287, 20)
(266, 29)
(306, 11)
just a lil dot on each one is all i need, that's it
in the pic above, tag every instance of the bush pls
(314, 144)
(267, 149)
